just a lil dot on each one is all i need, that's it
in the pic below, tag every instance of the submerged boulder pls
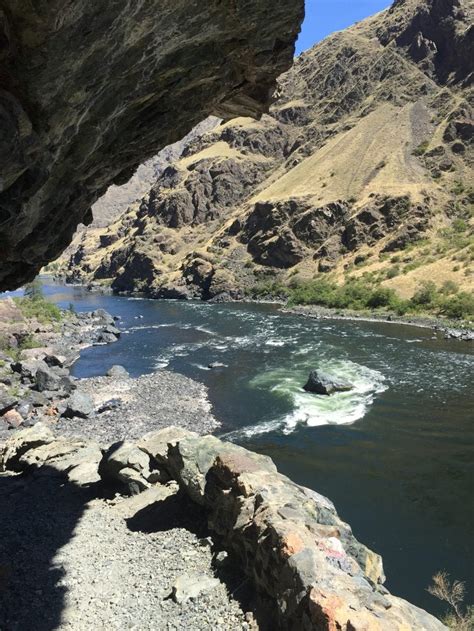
(324, 383)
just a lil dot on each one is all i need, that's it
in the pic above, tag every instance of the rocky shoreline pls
(36, 386)
(448, 331)
(35, 382)
(125, 408)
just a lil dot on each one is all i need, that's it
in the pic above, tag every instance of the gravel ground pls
(146, 404)
(72, 562)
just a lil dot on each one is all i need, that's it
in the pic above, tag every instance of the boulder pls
(190, 459)
(324, 383)
(157, 444)
(78, 404)
(36, 399)
(103, 316)
(106, 338)
(12, 419)
(111, 329)
(28, 369)
(117, 371)
(7, 400)
(128, 464)
(55, 360)
(47, 379)
(37, 448)
(109, 405)
(21, 443)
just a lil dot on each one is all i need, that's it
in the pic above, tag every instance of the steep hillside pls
(362, 168)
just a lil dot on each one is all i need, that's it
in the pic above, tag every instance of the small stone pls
(13, 419)
(7, 400)
(189, 586)
(221, 558)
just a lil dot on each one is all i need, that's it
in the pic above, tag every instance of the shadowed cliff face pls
(89, 91)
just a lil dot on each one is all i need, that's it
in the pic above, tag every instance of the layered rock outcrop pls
(366, 152)
(301, 557)
(89, 92)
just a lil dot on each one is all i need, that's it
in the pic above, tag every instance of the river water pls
(395, 455)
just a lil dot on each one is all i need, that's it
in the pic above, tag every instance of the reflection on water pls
(395, 455)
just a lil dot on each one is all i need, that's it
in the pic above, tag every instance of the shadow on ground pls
(178, 511)
(37, 517)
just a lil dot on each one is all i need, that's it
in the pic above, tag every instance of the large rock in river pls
(324, 383)
(90, 90)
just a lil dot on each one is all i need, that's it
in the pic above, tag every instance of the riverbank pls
(260, 350)
(448, 330)
(125, 408)
(36, 384)
(40, 343)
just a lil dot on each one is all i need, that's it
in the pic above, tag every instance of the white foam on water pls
(312, 410)
(273, 342)
(154, 326)
(203, 329)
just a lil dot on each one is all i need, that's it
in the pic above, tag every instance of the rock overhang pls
(89, 92)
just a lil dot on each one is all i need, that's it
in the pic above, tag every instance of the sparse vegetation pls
(459, 617)
(269, 289)
(392, 272)
(34, 305)
(421, 149)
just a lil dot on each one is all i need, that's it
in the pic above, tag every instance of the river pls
(395, 455)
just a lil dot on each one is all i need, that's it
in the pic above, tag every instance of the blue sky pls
(326, 16)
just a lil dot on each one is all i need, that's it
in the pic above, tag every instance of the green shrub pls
(458, 307)
(29, 341)
(393, 271)
(449, 287)
(421, 149)
(268, 289)
(39, 308)
(459, 225)
(381, 297)
(458, 188)
(425, 294)
(34, 290)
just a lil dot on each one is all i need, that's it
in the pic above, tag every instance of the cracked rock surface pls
(91, 90)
